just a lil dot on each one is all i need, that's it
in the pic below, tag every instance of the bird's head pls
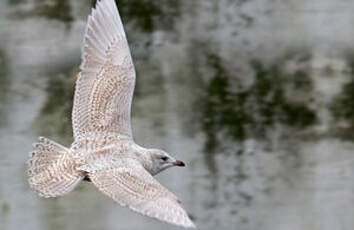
(162, 160)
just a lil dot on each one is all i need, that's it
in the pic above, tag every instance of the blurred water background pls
(256, 96)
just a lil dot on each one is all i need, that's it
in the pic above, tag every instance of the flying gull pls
(103, 150)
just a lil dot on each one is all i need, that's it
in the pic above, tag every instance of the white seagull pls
(103, 150)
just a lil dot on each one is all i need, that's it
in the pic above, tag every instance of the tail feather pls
(51, 169)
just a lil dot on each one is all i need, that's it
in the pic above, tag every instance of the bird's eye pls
(164, 158)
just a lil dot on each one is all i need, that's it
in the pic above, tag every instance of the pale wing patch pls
(132, 186)
(110, 99)
(105, 85)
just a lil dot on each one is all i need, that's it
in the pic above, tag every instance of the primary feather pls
(105, 85)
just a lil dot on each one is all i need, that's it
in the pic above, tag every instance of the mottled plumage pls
(104, 151)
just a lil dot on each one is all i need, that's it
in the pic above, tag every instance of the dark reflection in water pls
(15, 2)
(149, 15)
(252, 111)
(55, 115)
(343, 105)
(4, 84)
(150, 83)
(5, 208)
(57, 9)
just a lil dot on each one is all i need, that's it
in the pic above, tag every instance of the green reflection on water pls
(60, 10)
(342, 106)
(5, 208)
(4, 84)
(252, 111)
(150, 95)
(55, 117)
(15, 2)
(221, 109)
(269, 91)
(56, 9)
(149, 15)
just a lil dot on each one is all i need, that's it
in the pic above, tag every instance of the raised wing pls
(131, 185)
(105, 85)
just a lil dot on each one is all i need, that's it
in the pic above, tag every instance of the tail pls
(51, 169)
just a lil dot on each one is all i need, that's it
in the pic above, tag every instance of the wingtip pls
(186, 223)
(190, 225)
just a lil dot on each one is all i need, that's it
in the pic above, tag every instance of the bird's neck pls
(144, 157)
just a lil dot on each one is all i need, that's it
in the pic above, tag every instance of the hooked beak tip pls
(179, 163)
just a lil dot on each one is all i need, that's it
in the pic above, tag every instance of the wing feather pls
(131, 185)
(105, 85)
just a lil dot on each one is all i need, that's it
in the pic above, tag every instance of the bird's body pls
(103, 150)
(97, 151)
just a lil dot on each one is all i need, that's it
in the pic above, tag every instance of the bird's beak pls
(179, 163)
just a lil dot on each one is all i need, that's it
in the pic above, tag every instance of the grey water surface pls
(257, 97)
